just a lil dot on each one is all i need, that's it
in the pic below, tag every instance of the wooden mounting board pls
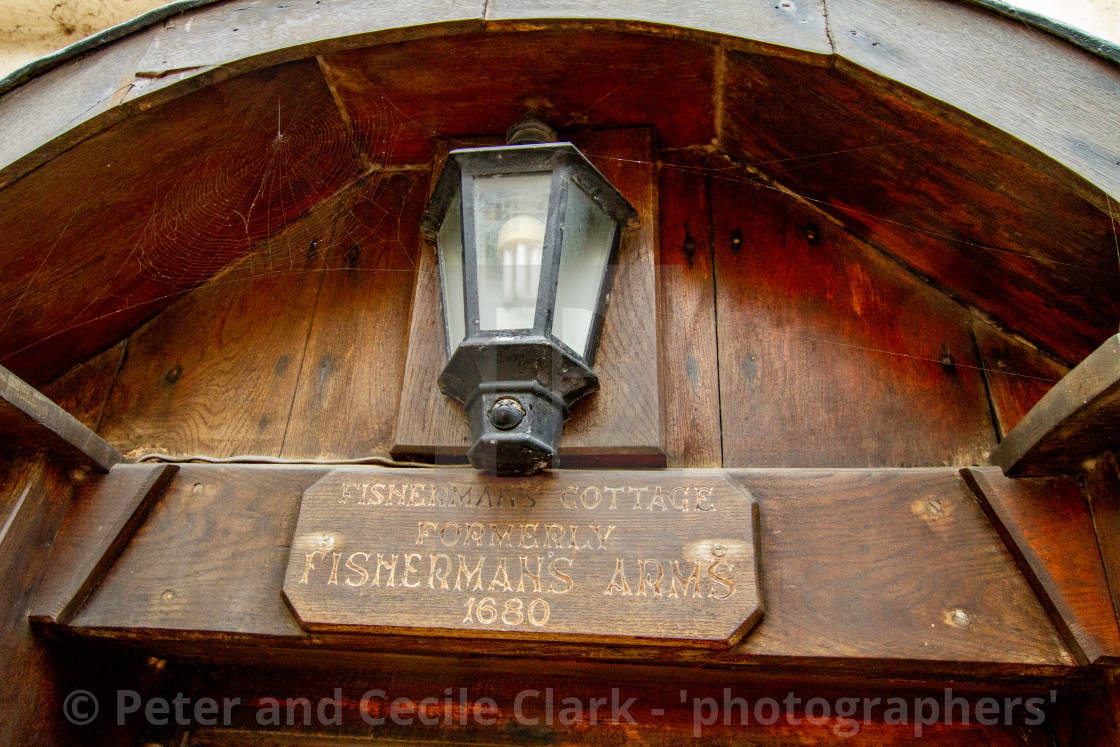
(607, 557)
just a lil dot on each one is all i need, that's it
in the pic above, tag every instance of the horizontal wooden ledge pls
(886, 569)
(312, 652)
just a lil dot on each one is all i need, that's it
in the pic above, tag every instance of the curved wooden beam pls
(1060, 99)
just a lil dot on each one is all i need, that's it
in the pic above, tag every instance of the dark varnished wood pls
(180, 579)
(828, 351)
(28, 420)
(1102, 484)
(98, 526)
(350, 379)
(83, 390)
(976, 222)
(1018, 375)
(484, 83)
(32, 502)
(1047, 527)
(37, 673)
(663, 710)
(174, 181)
(903, 569)
(1074, 422)
(853, 557)
(216, 373)
(620, 425)
(961, 203)
(690, 367)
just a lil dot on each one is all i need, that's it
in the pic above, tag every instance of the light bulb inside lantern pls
(520, 246)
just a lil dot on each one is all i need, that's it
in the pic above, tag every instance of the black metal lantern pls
(527, 237)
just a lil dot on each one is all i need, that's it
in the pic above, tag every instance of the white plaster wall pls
(33, 28)
(1098, 17)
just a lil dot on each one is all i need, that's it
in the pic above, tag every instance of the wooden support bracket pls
(1046, 526)
(1074, 422)
(93, 534)
(30, 420)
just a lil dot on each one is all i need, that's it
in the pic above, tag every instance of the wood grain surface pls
(346, 399)
(486, 82)
(1102, 484)
(166, 189)
(856, 566)
(689, 355)
(216, 373)
(462, 554)
(83, 390)
(1048, 529)
(831, 354)
(1072, 423)
(29, 421)
(975, 211)
(1018, 375)
(180, 579)
(761, 24)
(95, 530)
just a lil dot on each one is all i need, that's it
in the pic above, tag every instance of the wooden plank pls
(797, 26)
(995, 69)
(690, 369)
(960, 202)
(174, 576)
(32, 503)
(857, 566)
(37, 673)
(903, 559)
(1018, 375)
(486, 82)
(98, 526)
(141, 71)
(347, 396)
(473, 556)
(55, 111)
(428, 412)
(1048, 529)
(1102, 484)
(29, 420)
(1074, 421)
(829, 354)
(208, 376)
(621, 424)
(668, 707)
(191, 187)
(83, 390)
(228, 33)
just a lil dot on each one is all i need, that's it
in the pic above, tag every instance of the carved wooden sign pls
(611, 557)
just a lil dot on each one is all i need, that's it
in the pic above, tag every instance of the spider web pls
(247, 210)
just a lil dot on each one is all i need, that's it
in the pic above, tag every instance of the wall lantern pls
(527, 236)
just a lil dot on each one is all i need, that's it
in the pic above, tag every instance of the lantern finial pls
(531, 130)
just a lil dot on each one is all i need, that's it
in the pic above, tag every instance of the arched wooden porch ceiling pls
(981, 153)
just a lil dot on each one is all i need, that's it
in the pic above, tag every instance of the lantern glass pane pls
(588, 236)
(510, 214)
(449, 242)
